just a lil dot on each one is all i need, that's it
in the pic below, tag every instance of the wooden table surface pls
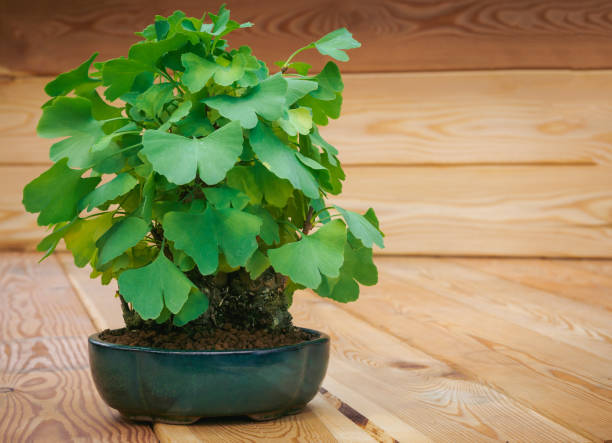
(457, 350)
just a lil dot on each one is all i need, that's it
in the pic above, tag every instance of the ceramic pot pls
(173, 386)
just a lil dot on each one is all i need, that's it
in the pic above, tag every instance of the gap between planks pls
(325, 408)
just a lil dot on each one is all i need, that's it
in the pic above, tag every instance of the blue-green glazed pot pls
(174, 386)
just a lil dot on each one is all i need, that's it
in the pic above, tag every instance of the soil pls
(227, 337)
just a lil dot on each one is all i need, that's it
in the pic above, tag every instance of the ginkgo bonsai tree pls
(200, 181)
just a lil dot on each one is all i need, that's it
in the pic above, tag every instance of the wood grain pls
(396, 35)
(588, 282)
(510, 118)
(437, 399)
(561, 211)
(560, 381)
(46, 392)
(572, 322)
(522, 211)
(303, 427)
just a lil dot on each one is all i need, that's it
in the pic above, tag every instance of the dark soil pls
(186, 338)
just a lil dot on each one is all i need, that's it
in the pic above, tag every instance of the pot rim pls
(94, 339)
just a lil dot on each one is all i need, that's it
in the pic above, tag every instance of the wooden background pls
(476, 128)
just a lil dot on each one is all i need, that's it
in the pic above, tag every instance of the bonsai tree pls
(200, 180)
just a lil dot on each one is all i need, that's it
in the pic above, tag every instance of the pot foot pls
(273, 415)
(160, 419)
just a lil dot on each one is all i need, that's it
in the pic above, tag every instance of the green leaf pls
(149, 53)
(267, 99)
(257, 182)
(221, 24)
(282, 161)
(71, 116)
(119, 75)
(179, 158)
(179, 113)
(334, 44)
(297, 121)
(224, 197)
(331, 151)
(361, 228)
(257, 264)
(198, 70)
(56, 193)
(322, 109)
(124, 234)
(204, 235)
(151, 102)
(195, 306)
(329, 83)
(269, 228)
(82, 236)
(154, 286)
(69, 81)
(306, 260)
(50, 242)
(298, 88)
(357, 267)
(118, 186)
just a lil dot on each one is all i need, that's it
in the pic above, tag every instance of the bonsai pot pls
(174, 386)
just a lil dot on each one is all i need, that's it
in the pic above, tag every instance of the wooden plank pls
(561, 211)
(584, 281)
(436, 399)
(320, 421)
(586, 327)
(557, 380)
(512, 117)
(557, 211)
(303, 427)
(396, 36)
(47, 392)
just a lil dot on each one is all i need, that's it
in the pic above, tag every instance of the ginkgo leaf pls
(306, 260)
(195, 306)
(151, 288)
(69, 81)
(118, 186)
(267, 99)
(298, 88)
(297, 121)
(331, 151)
(322, 110)
(358, 267)
(199, 70)
(124, 234)
(224, 197)
(205, 234)
(329, 82)
(179, 158)
(361, 228)
(56, 193)
(334, 44)
(152, 101)
(71, 117)
(257, 264)
(119, 75)
(82, 236)
(258, 182)
(282, 161)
